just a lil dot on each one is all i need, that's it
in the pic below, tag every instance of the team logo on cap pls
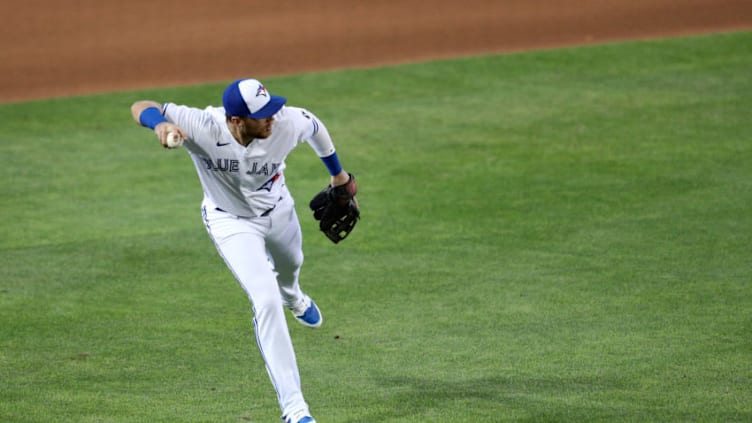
(261, 91)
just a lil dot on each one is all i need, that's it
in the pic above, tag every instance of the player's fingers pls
(171, 127)
(181, 132)
(163, 130)
(161, 135)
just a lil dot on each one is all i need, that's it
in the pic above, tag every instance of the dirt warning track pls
(52, 49)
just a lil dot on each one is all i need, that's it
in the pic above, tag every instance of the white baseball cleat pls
(307, 313)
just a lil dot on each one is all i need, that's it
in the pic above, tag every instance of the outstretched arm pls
(148, 114)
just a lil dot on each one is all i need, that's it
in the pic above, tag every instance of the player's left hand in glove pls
(337, 209)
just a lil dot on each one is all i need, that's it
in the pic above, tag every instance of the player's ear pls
(232, 120)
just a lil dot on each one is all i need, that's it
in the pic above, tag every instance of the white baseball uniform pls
(250, 215)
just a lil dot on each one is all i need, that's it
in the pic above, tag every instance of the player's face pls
(259, 128)
(247, 129)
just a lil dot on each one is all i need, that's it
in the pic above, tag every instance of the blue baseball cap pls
(249, 98)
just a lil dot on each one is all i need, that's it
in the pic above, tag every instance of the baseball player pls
(239, 153)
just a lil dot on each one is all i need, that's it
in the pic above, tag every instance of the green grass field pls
(555, 236)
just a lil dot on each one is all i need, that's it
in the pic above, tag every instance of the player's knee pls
(266, 304)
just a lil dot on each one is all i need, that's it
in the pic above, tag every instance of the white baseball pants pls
(265, 255)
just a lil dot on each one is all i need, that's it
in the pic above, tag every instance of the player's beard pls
(256, 129)
(250, 129)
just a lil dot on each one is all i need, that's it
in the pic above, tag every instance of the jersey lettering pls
(263, 169)
(221, 165)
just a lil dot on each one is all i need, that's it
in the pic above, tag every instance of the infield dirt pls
(88, 46)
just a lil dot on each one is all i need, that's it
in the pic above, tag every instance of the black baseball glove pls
(337, 210)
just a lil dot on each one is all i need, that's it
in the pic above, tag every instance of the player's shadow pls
(414, 398)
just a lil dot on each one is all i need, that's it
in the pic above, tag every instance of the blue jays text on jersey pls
(233, 165)
(221, 165)
(263, 168)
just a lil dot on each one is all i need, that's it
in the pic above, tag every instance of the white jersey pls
(245, 181)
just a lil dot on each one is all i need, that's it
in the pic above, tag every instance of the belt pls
(264, 214)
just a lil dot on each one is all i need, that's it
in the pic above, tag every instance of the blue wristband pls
(332, 163)
(151, 117)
